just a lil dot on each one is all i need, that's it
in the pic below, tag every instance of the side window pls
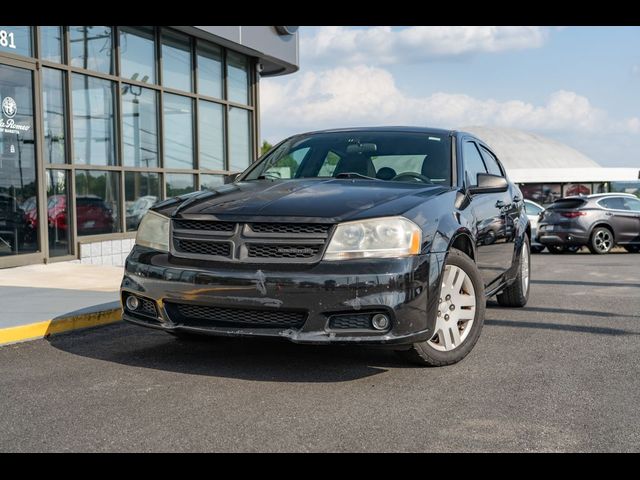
(329, 164)
(614, 203)
(531, 209)
(287, 166)
(491, 162)
(632, 204)
(473, 164)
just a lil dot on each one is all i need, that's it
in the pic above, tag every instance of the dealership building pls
(546, 169)
(100, 122)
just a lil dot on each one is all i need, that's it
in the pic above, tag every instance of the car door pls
(619, 215)
(490, 216)
(633, 205)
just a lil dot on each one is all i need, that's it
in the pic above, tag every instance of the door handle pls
(608, 214)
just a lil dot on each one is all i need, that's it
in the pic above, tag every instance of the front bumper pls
(405, 289)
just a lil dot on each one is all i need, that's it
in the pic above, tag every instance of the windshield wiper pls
(354, 175)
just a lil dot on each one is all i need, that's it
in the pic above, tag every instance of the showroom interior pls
(100, 122)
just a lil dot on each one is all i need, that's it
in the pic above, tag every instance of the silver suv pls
(598, 221)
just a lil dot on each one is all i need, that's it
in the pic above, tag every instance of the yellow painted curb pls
(51, 327)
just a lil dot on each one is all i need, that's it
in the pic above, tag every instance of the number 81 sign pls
(7, 39)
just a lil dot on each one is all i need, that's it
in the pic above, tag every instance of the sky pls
(577, 85)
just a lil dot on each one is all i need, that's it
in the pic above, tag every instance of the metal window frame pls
(35, 64)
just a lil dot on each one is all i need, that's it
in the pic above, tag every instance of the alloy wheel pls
(456, 310)
(524, 267)
(602, 240)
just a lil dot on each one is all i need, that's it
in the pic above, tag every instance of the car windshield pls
(388, 156)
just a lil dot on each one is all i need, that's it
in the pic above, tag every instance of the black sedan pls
(380, 236)
(598, 221)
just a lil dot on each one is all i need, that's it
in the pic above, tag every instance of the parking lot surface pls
(558, 375)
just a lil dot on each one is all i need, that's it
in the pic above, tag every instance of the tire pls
(517, 294)
(573, 248)
(601, 241)
(437, 352)
(536, 249)
(632, 248)
(555, 249)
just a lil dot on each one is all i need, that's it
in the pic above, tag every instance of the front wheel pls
(460, 315)
(517, 294)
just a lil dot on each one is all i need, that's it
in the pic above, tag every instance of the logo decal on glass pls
(9, 107)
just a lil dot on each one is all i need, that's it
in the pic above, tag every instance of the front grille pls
(346, 322)
(204, 225)
(198, 247)
(291, 228)
(266, 250)
(210, 316)
(260, 242)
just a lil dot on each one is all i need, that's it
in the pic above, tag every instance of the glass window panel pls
(54, 116)
(179, 183)
(210, 71)
(51, 44)
(176, 61)
(58, 212)
(141, 191)
(16, 40)
(570, 189)
(240, 155)
(473, 164)
(137, 54)
(211, 181)
(178, 131)
(139, 126)
(18, 187)
(550, 193)
(237, 78)
(211, 135)
(91, 48)
(94, 140)
(97, 200)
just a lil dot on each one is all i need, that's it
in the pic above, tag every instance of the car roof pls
(391, 128)
(611, 194)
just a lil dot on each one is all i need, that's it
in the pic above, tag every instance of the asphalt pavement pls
(558, 375)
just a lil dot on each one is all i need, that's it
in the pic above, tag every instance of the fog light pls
(132, 302)
(380, 321)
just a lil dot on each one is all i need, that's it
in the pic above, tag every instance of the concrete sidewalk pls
(39, 300)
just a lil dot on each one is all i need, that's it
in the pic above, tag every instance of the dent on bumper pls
(404, 288)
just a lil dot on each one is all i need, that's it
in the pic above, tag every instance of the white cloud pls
(365, 96)
(384, 45)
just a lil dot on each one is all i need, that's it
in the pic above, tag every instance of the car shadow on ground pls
(270, 360)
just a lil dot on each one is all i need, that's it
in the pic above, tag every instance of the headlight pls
(379, 237)
(153, 232)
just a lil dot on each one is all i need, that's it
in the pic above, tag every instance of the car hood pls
(331, 199)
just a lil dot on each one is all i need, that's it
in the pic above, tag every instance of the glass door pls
(19, 219)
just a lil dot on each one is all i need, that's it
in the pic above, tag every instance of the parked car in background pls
(598, 221)
(390, 236)
(137, 209)
(94, 215)
(533, 211)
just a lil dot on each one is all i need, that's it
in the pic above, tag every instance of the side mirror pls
(488, 183)
(231, 177)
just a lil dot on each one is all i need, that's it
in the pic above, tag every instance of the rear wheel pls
(601, 241)
(517, 294)
(555, 249)
(459, 318)
(632, 248)
(536, 249)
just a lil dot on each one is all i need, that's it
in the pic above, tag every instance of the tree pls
(266, 146)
